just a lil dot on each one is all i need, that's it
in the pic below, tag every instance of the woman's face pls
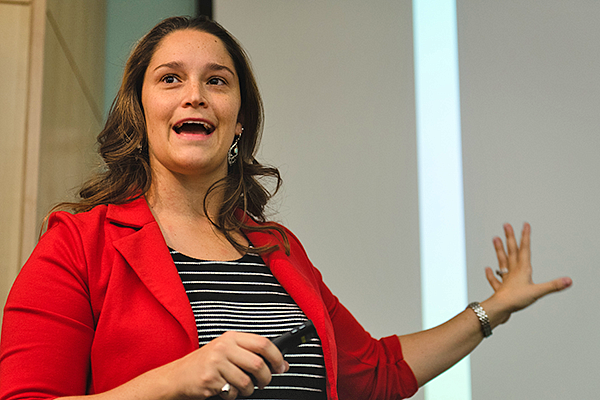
(191, 100)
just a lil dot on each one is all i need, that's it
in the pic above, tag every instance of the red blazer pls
(100, 302)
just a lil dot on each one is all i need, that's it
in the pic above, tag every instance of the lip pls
(181, 121)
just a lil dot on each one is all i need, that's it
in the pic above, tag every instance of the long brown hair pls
(123, 142)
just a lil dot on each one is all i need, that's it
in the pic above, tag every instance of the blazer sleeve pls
(367, 368)
(48, 324)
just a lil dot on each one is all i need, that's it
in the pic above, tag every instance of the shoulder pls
(79, 220)
(63, 225)
(134, 214)
(62, 256)
(81, 242)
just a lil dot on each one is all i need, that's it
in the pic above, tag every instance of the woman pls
(102, 307)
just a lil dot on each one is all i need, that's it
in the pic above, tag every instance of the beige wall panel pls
(73, 84)
(73, 64)
(82, 25)
(29, 233)
(14, 60)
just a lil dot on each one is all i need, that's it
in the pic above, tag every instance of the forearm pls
(431, 352)
(152, 385)
(240, 359)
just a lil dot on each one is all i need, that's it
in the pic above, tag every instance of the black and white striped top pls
(244, 296)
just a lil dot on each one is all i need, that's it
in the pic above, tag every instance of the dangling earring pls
(139, 150)
(233, 150)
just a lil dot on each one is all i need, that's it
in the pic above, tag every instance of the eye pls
(170, 79)
(217, 81)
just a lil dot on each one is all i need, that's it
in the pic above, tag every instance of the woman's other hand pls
(241, 360)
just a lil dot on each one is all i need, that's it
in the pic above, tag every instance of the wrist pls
(161, 383)
(484, 320)
(496, 311)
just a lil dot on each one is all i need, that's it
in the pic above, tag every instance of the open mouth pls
(194, 127)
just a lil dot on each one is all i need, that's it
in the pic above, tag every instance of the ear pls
(239, 129)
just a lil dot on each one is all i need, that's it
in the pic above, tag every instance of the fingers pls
(238, 380)
(511, 245)
(250, 370)
(500, 254)
(228, 392)
(494, 282)
(241, 360)
(257, 362)
(268, 354)
(519, 256)
(250, 360)
(525, 248)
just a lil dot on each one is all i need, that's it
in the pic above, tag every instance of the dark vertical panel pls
(204, 7)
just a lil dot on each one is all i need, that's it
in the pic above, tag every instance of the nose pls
(195, 95)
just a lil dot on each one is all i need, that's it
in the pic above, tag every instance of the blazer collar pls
(134, 214)
(137, 237)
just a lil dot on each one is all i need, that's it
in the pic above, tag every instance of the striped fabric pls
(244, 296)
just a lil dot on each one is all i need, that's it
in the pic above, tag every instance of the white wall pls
(337, 79)
(530, 117)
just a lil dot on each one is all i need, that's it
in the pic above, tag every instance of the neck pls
(183, 197)
(177, 206)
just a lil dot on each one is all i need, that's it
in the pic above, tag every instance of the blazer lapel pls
(146, 252)
(293, 279)
(298, 286)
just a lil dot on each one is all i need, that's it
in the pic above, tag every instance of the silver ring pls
(501, 272)
(226, 388)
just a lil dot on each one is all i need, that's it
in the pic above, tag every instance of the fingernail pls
(567, 282)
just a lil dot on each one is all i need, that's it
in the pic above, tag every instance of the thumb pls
(555, 285)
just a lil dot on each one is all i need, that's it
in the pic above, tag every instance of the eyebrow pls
(211, 67)
(220, 67)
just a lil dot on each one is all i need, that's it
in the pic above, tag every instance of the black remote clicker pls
(299, 335)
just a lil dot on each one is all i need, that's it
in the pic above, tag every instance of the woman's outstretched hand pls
(431, 352)
(515, 289)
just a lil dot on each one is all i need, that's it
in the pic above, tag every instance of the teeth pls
(206, 125)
